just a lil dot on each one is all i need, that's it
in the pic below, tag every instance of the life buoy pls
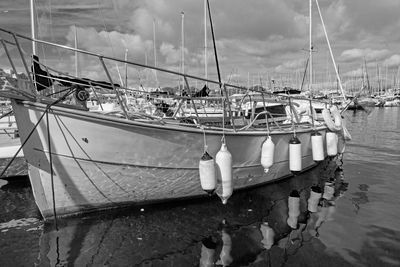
(334, 125)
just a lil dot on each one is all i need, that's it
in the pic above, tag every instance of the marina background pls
(257, 41)
(362, 228)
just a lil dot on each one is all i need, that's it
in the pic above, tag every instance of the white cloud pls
(291, 65)
(252, 36)
(171, 54)
(368, 54)
(393, 61)
(109, 43)
(353, 73)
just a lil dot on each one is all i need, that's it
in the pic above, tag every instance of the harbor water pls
(357, 225)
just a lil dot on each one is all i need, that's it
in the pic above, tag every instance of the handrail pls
(147, 66)
(259, 114)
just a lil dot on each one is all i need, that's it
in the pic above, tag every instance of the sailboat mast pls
(76, 52)
(310, 51)
(367, 77)
(330, 50)
(155, 51)
(33, 27)
(205, 41)
(378, 78)
(126, 67)
(183, 48)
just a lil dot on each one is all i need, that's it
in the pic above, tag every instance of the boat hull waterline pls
(101, 162)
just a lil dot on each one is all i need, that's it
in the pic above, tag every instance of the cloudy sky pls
(255, 38)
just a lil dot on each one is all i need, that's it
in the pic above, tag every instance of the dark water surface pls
(359, 226)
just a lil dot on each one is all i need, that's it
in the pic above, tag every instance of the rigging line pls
(87, 155)
(37, 23)
(223, 119)
(265, 108)
(63, 90)
(292, 117)
(6, 114)
(52, 31)
(330, 50)
(305, 74)
(108, 37)
(215, 47)
(205, 140)
(79, 165)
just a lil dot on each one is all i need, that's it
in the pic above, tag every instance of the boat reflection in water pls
(251, 229)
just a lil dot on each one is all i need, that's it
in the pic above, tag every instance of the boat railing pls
(17, 40)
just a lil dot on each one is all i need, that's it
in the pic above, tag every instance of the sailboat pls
(81, 161)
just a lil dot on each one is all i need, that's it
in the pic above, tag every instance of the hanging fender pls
(334, 125)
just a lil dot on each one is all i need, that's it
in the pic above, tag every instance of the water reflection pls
(251, 229)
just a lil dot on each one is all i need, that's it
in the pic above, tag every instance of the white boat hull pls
(101, 162)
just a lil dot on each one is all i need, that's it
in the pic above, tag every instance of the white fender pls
(331, 143)
(208, 247)
(294, 209)
(225, 258)
(313, 200)
(268, 235)
(208, 179)
(223, 159)
(317, 146)
(329, 190)
(295, 154)
(267, 154)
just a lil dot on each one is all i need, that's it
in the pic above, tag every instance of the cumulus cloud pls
(109, 43)
(291, 65)
(252, 35)
(372, 16)
(353, 73)
(172, 55)
(393, 61)
(357, 54)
